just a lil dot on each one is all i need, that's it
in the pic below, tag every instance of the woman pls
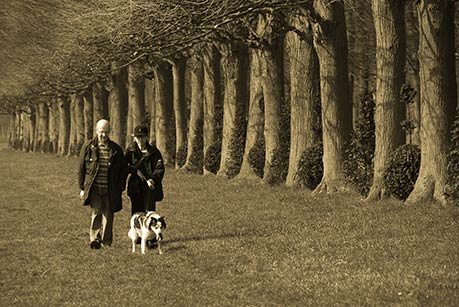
(146, 166)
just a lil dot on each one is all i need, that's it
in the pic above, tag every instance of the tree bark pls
(178, 76)
(254, 153)
(165, 126)
(64, 125)
(390, 63)
(194, 159)
(234, 70)
(438, 98)
(331, 46)
(118, 105)
(212, 101)
(304, 94)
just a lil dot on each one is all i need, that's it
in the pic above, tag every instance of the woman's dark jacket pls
(117, 171)
(151, 167)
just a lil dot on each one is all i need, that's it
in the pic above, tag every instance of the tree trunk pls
(254, 153)
(390, 63)
(272, 81)
(194, 158)
(234, 68)
(151, 108)
(212, 101)
(12, 136)
(304, 94)
(412, 70)
(100, 100)
(43, 124)
(16, 137)
(79, 121)
(136, 90)
(64, 125)
(331, 46)
(73, 132)
(178, 75)
(165, 127)
(53, 125)
(88, 109)
(118, 105)
(29, 129)
(438, 97)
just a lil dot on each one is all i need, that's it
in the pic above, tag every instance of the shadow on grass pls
(210, 237)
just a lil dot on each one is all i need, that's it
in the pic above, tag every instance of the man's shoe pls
(95, 244)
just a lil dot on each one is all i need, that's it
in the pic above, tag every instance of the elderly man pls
(102, 176)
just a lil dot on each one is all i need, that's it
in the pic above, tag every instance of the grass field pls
(228, 243)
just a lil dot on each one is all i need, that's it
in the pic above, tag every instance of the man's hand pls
(151, 184)
(81, 194)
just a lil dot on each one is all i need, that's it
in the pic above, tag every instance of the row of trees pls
(245, 88)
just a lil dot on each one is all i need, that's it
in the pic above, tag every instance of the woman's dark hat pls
(140, 131)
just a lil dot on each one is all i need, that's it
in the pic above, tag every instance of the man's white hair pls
(103, 123)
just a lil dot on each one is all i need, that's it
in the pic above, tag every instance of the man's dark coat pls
(117, 171)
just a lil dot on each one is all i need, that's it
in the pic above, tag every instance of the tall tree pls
(88, 109)
(388, 16)
(438, 97)
(272, 81)
(164, 113)
(79, 124)
(150, 106)
(64, 124)
(194, 158)
(73, 131)
(53, 125)
(136, 92)
(304, 92)
(330, 42)
(179, 102)
(412, 69)
(212, 101)
(118, 104)
(233, 63)
(100, 99)
(43, 126)
(254, 153)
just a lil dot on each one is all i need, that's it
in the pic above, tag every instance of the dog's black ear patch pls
(163, 222)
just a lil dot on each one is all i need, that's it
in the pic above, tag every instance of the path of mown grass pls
(228, 243)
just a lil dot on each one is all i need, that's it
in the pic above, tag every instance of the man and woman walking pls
(102, 174)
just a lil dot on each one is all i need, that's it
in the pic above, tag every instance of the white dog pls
(146, 226)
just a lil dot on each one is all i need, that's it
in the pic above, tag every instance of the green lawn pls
(228, 243)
